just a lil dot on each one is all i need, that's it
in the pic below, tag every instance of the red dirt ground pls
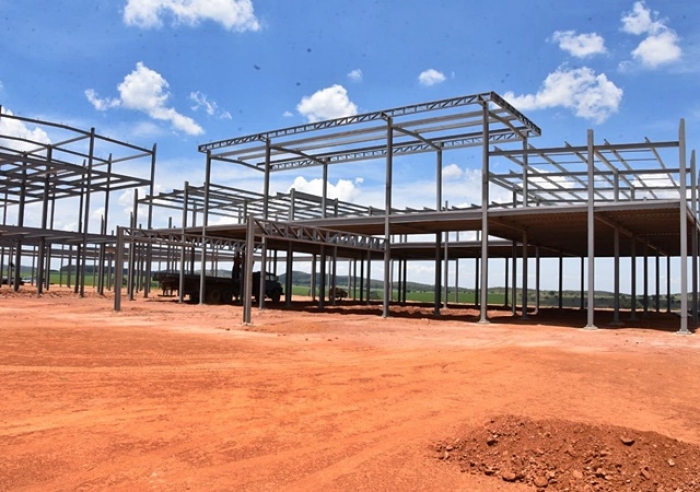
(173, 397)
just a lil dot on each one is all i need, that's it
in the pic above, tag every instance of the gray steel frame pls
(78, 164)
(624, 189)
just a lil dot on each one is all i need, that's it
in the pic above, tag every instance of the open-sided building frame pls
(567, 201)
(54, 163)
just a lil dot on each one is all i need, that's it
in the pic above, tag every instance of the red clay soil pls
(558, 455)
(174, 397)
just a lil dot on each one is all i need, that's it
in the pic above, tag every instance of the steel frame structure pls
(477, 120)
(621, 189)
(54, 163)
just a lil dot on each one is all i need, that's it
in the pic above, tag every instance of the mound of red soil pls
(567, 456)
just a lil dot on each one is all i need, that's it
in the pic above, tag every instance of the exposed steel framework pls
(567, 201)
(58, 166)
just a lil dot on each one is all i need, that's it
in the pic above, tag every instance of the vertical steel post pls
(313, 278)
(438, 235)
(266, 185)
(591, 233)
(524, 314)
(483, 314)
(132, 248)
(477, 278)
(86, 212)
(387, 215)
(446, 273)
(514, 291)
(583, 286)
(561, 279)
(42, 241)
(248, 271)
(683, 229)
(633, 277)
(20, 222)
(537, 279)
(668, 283)
(645, 295)
(263, 272)
(505, 291)
(322, 279)
(438, 275)
(205, 223)
(525, 173)
(457, 271)
(149, 224)
(119, 269)
(181, 280)
(658, 283)
(694, 240)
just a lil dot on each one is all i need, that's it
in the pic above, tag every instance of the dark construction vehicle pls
(218, 290)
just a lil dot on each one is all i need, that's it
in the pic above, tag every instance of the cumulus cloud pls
(325, 104)
(234, 15)
(452, 171)
(287, 114)
(355, 75)
(658, 49)
(587, 94)
(210, 107)
(15, 128)
(661, 44)
(639, 20)
(345, 190)
(145, 90)
(101, 104)
(580, 45)
(431, 77)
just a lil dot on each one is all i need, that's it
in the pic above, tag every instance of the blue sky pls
(185, 72)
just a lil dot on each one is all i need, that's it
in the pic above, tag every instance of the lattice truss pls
(621, 172)
(440, 125)
(237, 203)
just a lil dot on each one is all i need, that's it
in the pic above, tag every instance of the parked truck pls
(218, 290)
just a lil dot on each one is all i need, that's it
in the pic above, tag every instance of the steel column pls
(387, 213)
(591, 234)
(683, 229)
(205, 223)
(483, 314)
(181, 283)
(633, 278)
(524, 314)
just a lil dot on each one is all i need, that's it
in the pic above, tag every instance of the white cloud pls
(145, 90)
(287, 114)
(658, 49)
(639, 21)
(234, 15)
(661, 44)
(345, 190)
(15, 128)
(325, 104)
(211, 107)
(431, 77)
(580, 45)
(355, 75)
(589, 95)
(101, 104)
(452, 171)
